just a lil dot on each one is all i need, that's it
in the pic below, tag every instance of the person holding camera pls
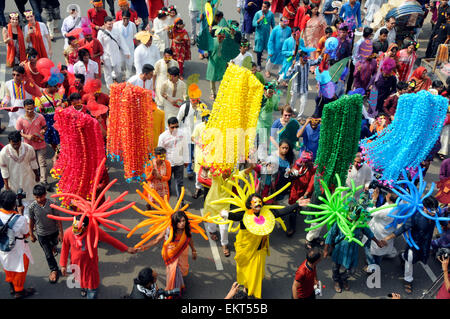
(15, 260)
(145, 286)
(19, 168)
(444, 291)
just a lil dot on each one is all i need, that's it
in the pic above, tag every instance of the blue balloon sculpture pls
(410, 202)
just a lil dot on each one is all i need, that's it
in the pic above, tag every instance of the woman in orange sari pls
(175, 253)
(181, 45)
(13, 38)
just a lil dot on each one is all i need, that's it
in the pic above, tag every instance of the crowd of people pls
(284, 44)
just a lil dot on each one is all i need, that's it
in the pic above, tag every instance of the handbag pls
(203, 177)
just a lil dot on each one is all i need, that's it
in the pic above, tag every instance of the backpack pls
(7, 235)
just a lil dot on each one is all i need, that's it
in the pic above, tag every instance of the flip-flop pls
(226, 251)
(53, 279)
(337, 288)
(408, 287)
(214, 236)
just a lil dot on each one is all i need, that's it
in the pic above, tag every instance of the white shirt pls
(15, 101)
(145, 55)
(180, 94)
(13, 260)
(136, 80)
(69, 25)
(89, 72)
(377, 224)
(193, 118)
(112, 55)
(362, 176)
(127, 33)
(240, 58)
(176, 147)
(162, 76)
(44, 33)
(391, 35)
(18, 168)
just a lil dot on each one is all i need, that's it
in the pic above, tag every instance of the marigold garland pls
(408, 140)
(340, 130)
(81, 151)
(130, 129)
(234, 116)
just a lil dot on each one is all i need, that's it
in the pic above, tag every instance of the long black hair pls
(290, 154)
(176, 217)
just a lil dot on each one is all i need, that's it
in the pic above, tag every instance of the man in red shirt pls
(125, 6)
(96, 16)
(306, 276)
(93, 45)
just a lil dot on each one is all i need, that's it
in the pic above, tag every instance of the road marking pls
(429, 272)
(214, 250)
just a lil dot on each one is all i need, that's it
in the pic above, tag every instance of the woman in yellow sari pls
(175, 253)
(252, 241)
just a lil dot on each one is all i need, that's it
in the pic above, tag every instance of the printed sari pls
(175, 255)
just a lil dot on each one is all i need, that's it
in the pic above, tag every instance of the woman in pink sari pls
(406, 59)
(315, 27)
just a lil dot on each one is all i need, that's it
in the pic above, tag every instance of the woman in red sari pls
(13, 38)
(175, 252)
(290, 10)
(422, 81)
(181, 45)
(406, 59)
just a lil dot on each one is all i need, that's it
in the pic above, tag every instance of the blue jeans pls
(37, 9)
(191, 159)
(2, 14)
(177, 175)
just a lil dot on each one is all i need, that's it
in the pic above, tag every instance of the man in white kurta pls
(360, 173)
(114, 48)
(19, 167)
(127, 29)
(145, 53)
(174, 94)
(70, 23)
(14, 262)
(160, 74)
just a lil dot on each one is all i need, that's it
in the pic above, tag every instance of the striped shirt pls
(300, 83)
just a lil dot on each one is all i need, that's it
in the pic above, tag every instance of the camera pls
(443, 253)
(164, 294)
(20, 195)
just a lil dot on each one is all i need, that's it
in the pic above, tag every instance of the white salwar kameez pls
(13, 260)
(128, 33)
(162, 76)
(162, 39)
(377, 224)
(113, 55)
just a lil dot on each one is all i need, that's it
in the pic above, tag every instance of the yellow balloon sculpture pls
(258, 225)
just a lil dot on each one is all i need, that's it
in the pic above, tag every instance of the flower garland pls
(340, 130)
(407, 141)
(130, 129)
(96, 213)
(234, 115)
(81, 151)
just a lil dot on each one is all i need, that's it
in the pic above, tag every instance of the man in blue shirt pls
(310, 132)
(351, 13)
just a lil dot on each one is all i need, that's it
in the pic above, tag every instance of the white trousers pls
(128, 65)
(298, 102)
(223, 230)
(272, 67)
(111, 72)
(313, 234)
(408, 276)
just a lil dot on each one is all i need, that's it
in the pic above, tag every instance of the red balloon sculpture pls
(97, 215)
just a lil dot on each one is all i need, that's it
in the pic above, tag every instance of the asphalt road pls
(204, 281)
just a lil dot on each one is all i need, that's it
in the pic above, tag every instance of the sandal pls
(441, 156)
(346, 286)
(214, 236)
(290, 233)
(83, 292)
(226, 251)
(408, 287)
(308, 244)
(24, 293)
(53, 277)
(337, 287)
